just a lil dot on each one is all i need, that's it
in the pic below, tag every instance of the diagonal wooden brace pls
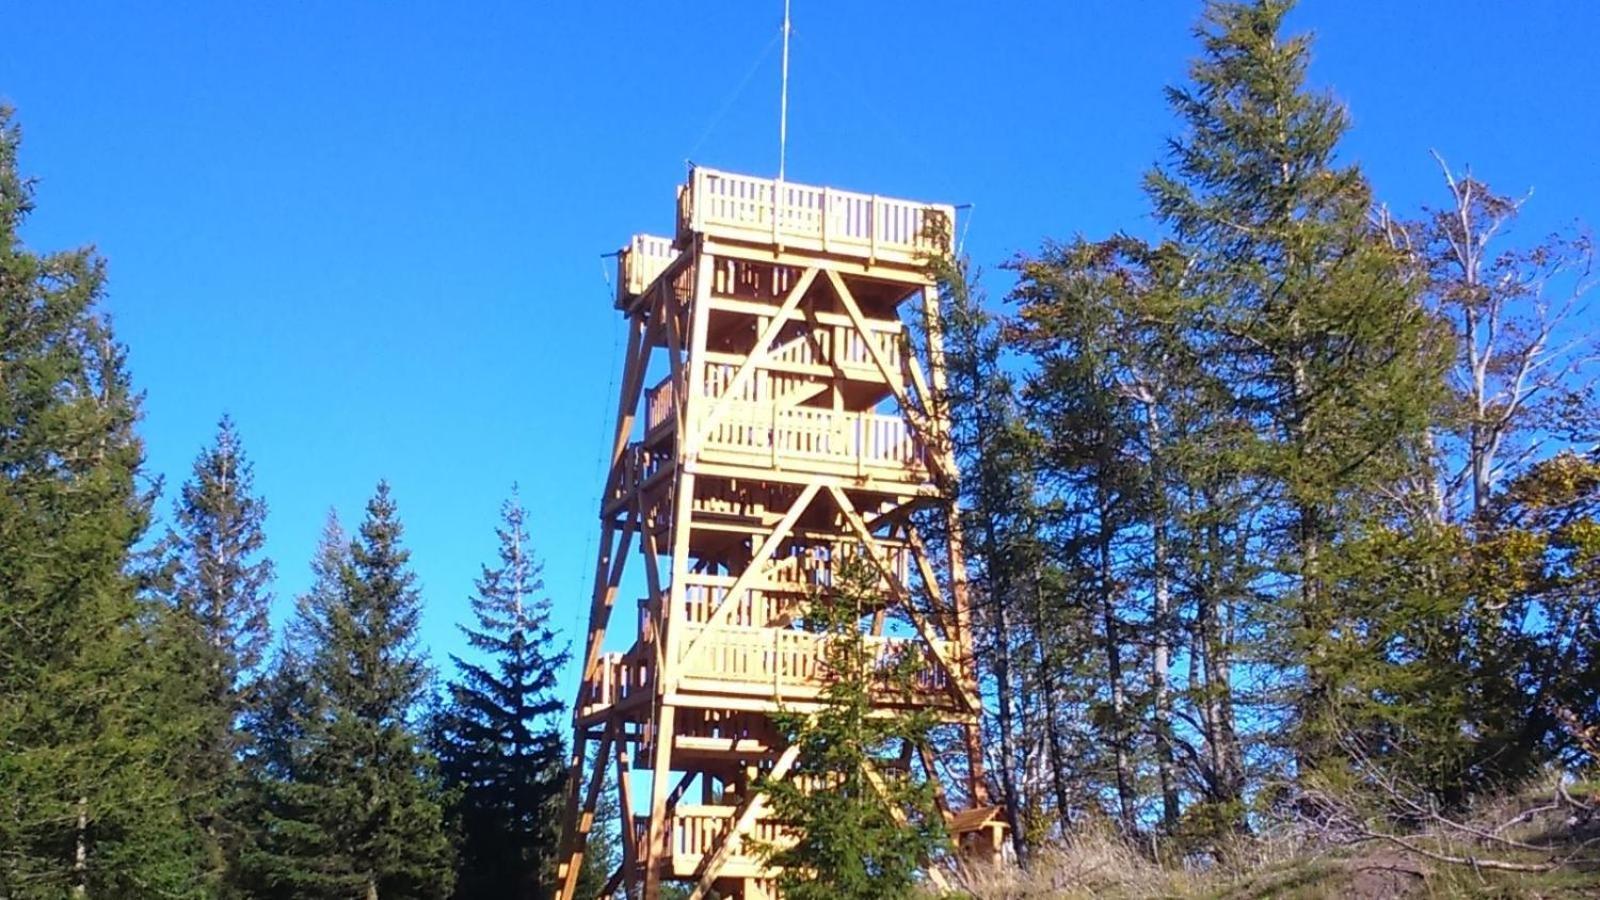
(757, 356)
(963, 691)
(754, 570)
(748, 812)
(582, 819)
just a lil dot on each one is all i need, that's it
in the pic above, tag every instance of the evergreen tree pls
(1314, 324)
(500, 747)
(352, 804)
(862, 830)
(1113, 394)
(88, 804)
(996, 457)
(289, 850)
(220, 598)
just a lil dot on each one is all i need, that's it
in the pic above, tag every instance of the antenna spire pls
(783, 99)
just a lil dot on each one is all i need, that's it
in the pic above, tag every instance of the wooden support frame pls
(724, 506)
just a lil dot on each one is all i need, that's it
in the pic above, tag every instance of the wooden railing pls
(617, 678)
(640, 263)
(844, 439)
(762, 388)
(843, 346)
(783, 589)
(697, 830)
(659, 404)
(785, 213)
(789, 658)
(859, 440)
(702, 594)
(638, 466)
(850, 348)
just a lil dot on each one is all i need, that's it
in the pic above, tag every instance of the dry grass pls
(1092, 864)
(1528, 831)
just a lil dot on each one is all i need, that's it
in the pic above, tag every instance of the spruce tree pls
(88, 802)
(288, 849)
(352, 805)
(864, 829)
(220, 598)
(501, 750)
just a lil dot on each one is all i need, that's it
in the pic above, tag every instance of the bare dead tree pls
(1516, 314)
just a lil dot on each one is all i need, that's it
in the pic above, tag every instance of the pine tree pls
(220, 600)
(995, 455)
(1111, 394)
(88, 804)
(352, 803)
(501, 749)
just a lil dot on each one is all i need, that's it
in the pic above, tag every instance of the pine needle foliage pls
(219, 600)
(89, 801)
(351, 801)
(501, 751)
(864, 827)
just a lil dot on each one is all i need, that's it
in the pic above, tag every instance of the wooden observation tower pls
(774, 421)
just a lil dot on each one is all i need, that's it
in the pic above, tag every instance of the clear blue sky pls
(371, 230)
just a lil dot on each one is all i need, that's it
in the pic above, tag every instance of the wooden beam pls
(912, 276)
(917, 418)
(859, 320)
(660, 775)
(957, 565)
(870, 543)
(630, 834)
(753, 570)
(633, 373)
(675, 361)
(750, 809)
(762, 350)
(608, 575)
(576, 837)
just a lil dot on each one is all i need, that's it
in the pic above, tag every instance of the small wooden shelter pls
(776, 418)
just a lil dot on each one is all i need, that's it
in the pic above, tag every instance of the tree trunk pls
(80, 851)
(1047, 679)
(1001, 647)
(1226, 757)
(1162, 619)
(1127, 801)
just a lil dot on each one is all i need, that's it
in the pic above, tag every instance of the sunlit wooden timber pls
(776, 420)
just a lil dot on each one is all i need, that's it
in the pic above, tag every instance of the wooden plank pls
(762, 350)
(750, 810)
